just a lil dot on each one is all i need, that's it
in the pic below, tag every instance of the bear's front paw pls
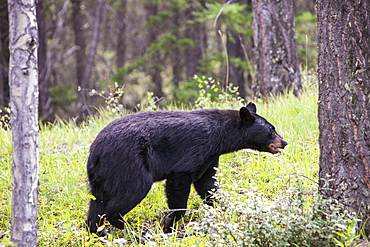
(167, 223)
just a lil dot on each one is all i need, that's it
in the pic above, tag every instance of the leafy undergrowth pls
(264, 200)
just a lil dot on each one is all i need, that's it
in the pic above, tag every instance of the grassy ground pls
(64, 194)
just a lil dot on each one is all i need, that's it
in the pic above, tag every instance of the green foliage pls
(246, 65)
(348, 236)
(243, 216)
(166, 43)
(5, 118)
(211, 94)
(63, 95)
(159, 18)
(264, 199)
(237, 17)
(112, 99)
(163, 47)
(187, 92)
(150, 104)
(128, 69)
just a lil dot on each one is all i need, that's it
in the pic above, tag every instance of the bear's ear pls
(246, 116)
(252, 107)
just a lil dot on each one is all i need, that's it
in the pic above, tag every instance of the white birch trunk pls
(23, 83)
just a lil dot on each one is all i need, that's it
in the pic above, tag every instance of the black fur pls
(182, 147)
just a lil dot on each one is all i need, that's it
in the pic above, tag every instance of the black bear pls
(183, 147)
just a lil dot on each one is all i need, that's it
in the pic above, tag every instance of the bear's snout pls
(278, 144)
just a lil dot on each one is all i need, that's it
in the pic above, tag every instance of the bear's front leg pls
(207, 183)
(177, 191)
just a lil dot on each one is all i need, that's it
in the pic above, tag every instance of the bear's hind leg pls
(95, 215)
(120, 205)
(177, 191)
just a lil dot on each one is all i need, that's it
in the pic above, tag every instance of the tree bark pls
(301, 6)
(344, 103)
(177, 52)
(156, 66)
(236, 73)
(45, 109)
(93, 44)
(276, 57)
(4, 55)
(121, 34)
(80, 42)
(195, 32)
(23, 80)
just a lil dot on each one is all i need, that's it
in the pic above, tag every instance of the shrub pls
(212, 95)
(298, 217)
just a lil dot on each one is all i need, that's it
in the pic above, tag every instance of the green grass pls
(63, 196)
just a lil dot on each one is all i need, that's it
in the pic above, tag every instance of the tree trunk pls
(80, 54)
(23, 80)
(45, 109)
(93, 44)
(236, 73)
(177, 52)
(156, 66)
(121, 35)
(301, 6)
(276, 57)
(4, 55)
(344, 103)
(195, 32)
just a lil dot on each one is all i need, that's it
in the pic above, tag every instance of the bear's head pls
(259, 133)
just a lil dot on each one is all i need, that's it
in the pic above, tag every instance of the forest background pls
(91, 50)
(82, 65)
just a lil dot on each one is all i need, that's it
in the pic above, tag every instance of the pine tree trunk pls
(177, 52)
(89, 63)
(276, 57)
(4, 56)
(344, 103)
(45, 109)
(195, 32)
(121, 34)
(156, 66)
(23, 80)
(236, 73)
(80, 42)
